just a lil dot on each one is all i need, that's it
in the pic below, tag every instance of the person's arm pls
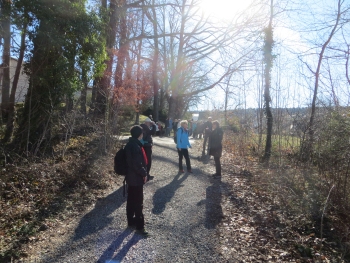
(189, 144)
(135, 160)
(205, 125)
(178, 138)
(153, 129)
(221, 135)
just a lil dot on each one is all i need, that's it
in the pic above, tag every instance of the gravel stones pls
(181, 212)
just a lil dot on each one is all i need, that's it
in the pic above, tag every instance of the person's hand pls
(145, 179)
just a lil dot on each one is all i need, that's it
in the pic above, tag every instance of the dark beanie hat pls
(136, 131)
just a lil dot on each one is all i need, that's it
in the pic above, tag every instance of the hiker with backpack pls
(149, 129)
(182, 145)
(136, 177)
(215, 146)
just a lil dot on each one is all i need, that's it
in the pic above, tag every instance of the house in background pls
(23, 82)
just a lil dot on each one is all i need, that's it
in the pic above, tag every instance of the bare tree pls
(11, 108)
(6, 57)
(194, 66)
(307, 146)
(268, 58)
(155, 61)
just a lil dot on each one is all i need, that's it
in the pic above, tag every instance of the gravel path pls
(182, 212)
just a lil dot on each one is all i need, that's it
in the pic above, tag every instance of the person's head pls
(148, 121)
(215, 125)
(209, 119)
(136, 132)
(184, 124)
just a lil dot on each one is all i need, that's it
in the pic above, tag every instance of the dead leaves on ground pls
(258, 228)
(32, 193)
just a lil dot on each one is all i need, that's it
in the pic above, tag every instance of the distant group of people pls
(196, 129)
(159, 127)
(139, 157)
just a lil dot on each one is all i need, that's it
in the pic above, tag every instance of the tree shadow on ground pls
(171, 147)
(163, 159)
(99, 218)
(166, 146)
(163, 195)
(108, 254)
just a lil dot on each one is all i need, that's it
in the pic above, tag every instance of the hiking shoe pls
(190, 171)
(142, 232)
(150, 177)
(181, 171)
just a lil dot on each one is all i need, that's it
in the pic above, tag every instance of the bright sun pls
(224, 9)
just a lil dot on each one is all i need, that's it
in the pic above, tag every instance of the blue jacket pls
(182, 139)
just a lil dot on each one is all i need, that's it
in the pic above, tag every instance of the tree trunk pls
(123, 47)
(6, 57)
(138, 72)
(11, 117)
(172, 108)
(268, 66)
(177, 74)
(121, 59)
(161, 97)
(260, 113)
(103, 83)
(164, 94)
(42, 97)
(155, 66)
(83, 95)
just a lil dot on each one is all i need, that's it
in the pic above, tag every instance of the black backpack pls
(120, 163)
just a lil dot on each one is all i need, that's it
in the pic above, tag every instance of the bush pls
(332, 154)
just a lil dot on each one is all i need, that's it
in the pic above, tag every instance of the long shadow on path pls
(213, 207)
(156, 157)
(108, 255)
(99, 218)
(163, 195)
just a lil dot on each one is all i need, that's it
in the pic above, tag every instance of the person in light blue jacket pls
(182, 145)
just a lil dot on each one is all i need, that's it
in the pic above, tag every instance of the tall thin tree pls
(268, 59)
(307, 146)
(6, 57)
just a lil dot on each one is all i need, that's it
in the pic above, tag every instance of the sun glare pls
(224, 9)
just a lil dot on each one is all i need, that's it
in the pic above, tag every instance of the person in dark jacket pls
(135, 178)
(174, 126)
(215, 146)
(167, 126)
(149, 129)
(207, 131)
